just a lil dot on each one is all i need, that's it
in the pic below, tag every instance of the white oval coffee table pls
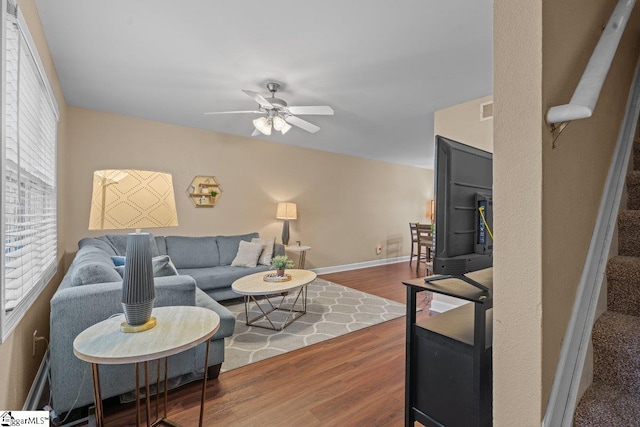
(263, 294)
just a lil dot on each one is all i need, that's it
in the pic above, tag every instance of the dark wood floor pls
(353, 380)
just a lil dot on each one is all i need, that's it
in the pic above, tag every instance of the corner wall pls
(346, 205)
(462, 123)
(17, 365)
(545, 199)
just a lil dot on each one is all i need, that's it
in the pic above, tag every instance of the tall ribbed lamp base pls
(138, 293)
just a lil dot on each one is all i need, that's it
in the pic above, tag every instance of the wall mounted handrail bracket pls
(584, 99)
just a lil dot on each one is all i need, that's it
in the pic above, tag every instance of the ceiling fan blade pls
(302, 124)
(320, 110)
(256, 132)
(258, 98)
(233, 112)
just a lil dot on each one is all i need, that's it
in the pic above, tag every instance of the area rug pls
(332, 310)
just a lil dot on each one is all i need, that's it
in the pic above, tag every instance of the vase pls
(281, 272)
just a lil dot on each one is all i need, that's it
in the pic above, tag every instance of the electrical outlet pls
(379, 249)
(36, 338)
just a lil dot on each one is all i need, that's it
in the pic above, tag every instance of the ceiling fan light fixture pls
(278, 123)
(263, 125)
(286, 128)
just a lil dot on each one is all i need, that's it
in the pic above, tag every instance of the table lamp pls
(286, 211)
(134, 199)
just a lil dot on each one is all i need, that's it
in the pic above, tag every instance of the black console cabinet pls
(448, 369)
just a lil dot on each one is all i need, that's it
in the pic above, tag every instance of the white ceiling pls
(384, 65)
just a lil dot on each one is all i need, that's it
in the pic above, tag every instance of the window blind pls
(28, 175)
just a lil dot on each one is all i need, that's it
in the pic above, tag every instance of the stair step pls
(616, 351)
(633, 189)
(628, 234)
(605, 405)
(623, 285)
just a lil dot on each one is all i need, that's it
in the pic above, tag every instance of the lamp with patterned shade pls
(134, 199)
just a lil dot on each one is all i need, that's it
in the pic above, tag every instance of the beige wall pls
(462, 123)
(17, 365)
(517, 192)
(346, 205)
(545, 198)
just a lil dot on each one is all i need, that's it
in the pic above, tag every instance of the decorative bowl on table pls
(274, 277)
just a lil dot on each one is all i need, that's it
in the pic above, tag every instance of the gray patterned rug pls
(332, 310)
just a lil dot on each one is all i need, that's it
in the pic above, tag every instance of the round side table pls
(178, 328)
(302, 251)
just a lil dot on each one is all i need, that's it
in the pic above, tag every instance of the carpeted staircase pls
(614, 397)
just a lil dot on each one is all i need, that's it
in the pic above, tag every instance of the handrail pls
(564, 392)
(587, 92)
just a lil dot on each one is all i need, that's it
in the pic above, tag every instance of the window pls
(28, 217)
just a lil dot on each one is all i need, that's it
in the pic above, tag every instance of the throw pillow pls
(162, 266)
(118, 260)
(267, 249)
(92, 273)
(228, 246)
(248, 254)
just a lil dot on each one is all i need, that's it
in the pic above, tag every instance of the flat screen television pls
(464, 208)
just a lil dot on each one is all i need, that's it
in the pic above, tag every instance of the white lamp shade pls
(132, 199)
(287, 211)
(286, 128)
(278, 123)
(263, 125)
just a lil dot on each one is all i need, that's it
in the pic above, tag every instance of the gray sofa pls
(91, 291)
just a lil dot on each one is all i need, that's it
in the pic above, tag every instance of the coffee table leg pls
(204, 382)
(293, 314)
(96, 394)
(246, 310)
(298, 313)
(265, 314)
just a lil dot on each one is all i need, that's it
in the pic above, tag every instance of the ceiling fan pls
(277, 114)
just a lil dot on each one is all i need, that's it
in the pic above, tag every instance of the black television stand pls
(448, 356)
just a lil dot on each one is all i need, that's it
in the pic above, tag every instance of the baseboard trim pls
(39, 383)
(359, 265)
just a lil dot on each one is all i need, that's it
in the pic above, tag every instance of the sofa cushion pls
(228, 246)
(193, 252)
(92, 265)
(267, 249)
(248, 254)
(161, 244)
(96, 272)
(119, 243)
(219, 277)
(227, 319)
(162, 266)
(97, 243)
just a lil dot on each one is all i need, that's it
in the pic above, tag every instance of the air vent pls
(486, 111)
